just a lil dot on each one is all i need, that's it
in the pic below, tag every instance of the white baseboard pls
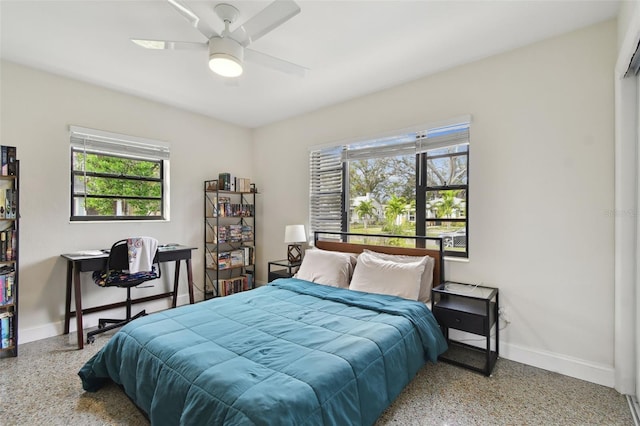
(635, 409)
(569, 366)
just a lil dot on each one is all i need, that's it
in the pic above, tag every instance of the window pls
(117, 177)
(415, 183)
(444, 187)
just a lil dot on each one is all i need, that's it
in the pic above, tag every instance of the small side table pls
(287, 269)
(470, 308)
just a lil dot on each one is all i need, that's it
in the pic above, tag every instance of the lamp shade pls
(295, 234)
(225, 56)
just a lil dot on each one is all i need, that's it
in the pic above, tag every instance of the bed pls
(294, 352)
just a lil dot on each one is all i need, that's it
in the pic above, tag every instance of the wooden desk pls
(77, 262)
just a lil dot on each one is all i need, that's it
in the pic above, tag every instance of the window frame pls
(419, 141)
(422, 188)
(88, 141)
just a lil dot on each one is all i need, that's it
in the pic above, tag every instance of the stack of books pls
(228, 182)
(234, 285)
(7, 285)
(8, 160)
(6, 330)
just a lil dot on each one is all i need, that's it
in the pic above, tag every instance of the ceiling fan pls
(228, 50)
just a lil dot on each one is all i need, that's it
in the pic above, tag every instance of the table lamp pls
(294, 235)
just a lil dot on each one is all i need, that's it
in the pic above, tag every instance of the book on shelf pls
(249, 255)
(11, 161)
(7, 160)
(7, 287)
(244, 256)
(6, 330)
(236, 258)
(7, 245)
(230, 259)
(228, 286)
(3, 246)
(243, 185)
(224, 181)
(4, 164)
(9, 204)
(228, 182)
(249, 276)
(247, 233)
(231, 233)
(225, 208)
(223, 260)
(220, 208)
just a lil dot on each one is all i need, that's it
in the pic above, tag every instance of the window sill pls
(120, 221)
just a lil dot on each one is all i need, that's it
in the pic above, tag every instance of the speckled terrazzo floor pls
(41, 386)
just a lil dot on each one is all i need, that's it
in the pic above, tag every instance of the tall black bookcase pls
(229, 239)
(9, 249)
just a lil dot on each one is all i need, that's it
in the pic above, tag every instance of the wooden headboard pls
(336, 245)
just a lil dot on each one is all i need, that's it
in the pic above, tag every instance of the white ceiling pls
(352, 48)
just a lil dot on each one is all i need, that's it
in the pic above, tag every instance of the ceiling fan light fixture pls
(225, 65)
(225, 57)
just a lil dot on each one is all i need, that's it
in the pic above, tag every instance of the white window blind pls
(442, 137)
(409, 143)
(388, 147)
(100, 142)
(326, 198)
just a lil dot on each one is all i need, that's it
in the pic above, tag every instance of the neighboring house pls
(457, 210)
(378, 210)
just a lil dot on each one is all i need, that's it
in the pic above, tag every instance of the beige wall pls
(541, 186)
(37, 109)
(627, 295)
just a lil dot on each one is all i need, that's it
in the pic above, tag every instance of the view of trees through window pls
(109, 186)
(446, 196)
(382, 196)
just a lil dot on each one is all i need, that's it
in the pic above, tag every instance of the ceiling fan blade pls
(264, 21)
(275, 63)
(204, 28)
(169, 45)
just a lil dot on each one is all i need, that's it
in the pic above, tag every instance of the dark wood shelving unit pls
(225, 211)
(9, 255)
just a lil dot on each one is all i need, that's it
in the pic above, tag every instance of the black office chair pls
(116, 274)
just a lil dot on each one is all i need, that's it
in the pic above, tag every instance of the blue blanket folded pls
(290, 353)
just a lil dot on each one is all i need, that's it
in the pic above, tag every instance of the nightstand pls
(473, 309)
(287, 269)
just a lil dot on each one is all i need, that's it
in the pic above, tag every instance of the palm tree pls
(394, 208)
(446, 204)
(365, 210)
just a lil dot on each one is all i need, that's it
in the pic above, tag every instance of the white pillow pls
(426, 282)
(326, 267)
(375, 275)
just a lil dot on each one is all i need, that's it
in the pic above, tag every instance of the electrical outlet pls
(503, 315)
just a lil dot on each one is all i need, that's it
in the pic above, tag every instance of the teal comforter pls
(290, 353)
